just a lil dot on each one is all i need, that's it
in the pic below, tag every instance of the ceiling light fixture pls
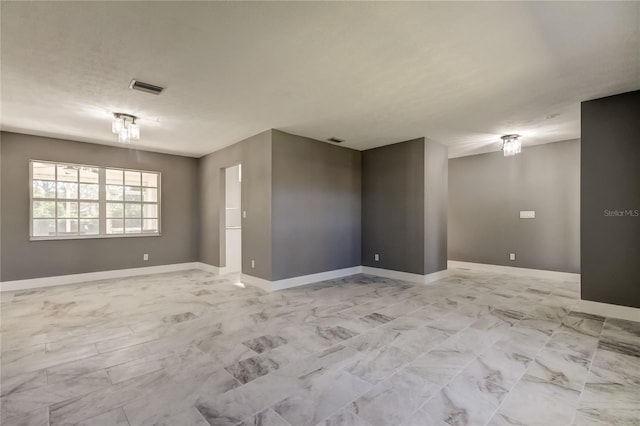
(511, 145)
(124, 125)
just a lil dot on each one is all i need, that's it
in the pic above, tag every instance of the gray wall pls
(315, 206)
(1, 136)
(393, 205)
(254, 154)
(436, 162)
(22, 259)
(487, 192)
(611, 182)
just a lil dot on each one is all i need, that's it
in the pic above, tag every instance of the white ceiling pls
(373, 73)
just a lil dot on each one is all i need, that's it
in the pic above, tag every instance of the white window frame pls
(102, 204)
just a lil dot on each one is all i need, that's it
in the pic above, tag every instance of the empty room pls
(319, 213)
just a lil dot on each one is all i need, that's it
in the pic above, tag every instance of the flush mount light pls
(124, 125)
(511, 145)
(335, 140)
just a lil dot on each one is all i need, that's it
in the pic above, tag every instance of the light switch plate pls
(527, 214)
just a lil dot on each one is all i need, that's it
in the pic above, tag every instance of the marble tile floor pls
(190, 348)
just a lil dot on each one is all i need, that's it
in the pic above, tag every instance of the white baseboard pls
(223, 270)
(27, 284)
(608, 310)
(406, 276)
(301, 280)
(539, 273)
(208, 268)
(279, 284)
(255, 281)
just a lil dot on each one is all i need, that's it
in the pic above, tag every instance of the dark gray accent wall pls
(393, 205)
(436, 163)
(22, 259)
(487, 193)
(1, 135)
(254, 154)
(315, 206)
(611, 200)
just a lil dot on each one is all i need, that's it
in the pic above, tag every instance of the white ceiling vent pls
(335, 140)
(145, 87)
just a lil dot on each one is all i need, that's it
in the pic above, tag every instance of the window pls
(79, 201)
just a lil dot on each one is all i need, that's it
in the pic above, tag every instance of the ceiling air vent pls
(145, 87)
(335, 140)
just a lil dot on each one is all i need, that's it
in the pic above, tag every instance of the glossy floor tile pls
(191, 348)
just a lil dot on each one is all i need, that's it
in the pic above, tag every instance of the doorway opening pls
(233, 220)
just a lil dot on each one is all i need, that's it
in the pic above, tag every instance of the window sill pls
(92, 237)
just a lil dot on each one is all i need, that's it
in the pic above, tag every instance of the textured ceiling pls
(372, 73)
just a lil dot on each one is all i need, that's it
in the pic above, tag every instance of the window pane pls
(150, 225)
(132, 210)
(150, 210)
(88, 175)
(115, 209)
(44, 189)
(67, 209)
(132, 193)
(67, 226)
(44, 209)
(89, 210)
(114, 177)
(114, 226)
(67, 190)
(150, 179)
(67, 173)
(89, 226)
(44, 171)
(67, 199)
(89, 191)
(132, 178)
(150, 194)
(114, 192)
(44, 227)
(133, 226)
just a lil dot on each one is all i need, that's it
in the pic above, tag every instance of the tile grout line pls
(194, 408)
(279, 416)
(350, 402)
(127, 417)
(468, 364)
(524, 373)
(584, 386)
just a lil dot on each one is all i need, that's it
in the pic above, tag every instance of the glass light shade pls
(117, 125)
(134, 132)
(511, 147)
(123, 135)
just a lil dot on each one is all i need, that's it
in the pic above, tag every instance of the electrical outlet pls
(527, 214)
(145, 256)
(244, 214)
(253, 263)
(512, 256)
(376, 257)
